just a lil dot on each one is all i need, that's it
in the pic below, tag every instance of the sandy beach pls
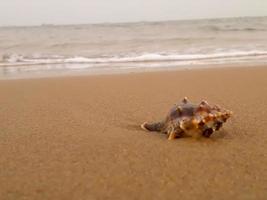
(79, 137)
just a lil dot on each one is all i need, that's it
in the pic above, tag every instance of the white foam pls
(15, 60)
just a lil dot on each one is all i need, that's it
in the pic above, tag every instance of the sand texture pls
(79, 137)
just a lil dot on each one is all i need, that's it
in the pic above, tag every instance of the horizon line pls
(129, 22)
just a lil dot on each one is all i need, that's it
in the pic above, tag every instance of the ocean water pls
(100, 48)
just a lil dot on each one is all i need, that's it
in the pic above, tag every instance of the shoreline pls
(100, 72)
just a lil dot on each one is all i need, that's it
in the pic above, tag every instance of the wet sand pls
(79, 137)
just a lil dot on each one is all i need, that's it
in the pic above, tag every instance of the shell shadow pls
(222, 134)
(218, 135)
(137, 128)
(132, 127)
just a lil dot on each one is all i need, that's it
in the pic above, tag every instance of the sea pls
(55, 50)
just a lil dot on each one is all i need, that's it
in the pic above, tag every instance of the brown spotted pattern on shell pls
(187, 119)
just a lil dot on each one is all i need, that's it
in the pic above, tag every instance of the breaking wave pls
(16, 60)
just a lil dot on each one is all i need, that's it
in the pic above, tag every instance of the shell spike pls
(200, 107)
(204, 102)
(185, 100)
(211, 116)
(216, 107)
(179, 109)
(230, 112)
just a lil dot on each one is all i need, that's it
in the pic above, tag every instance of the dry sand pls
(79, 137)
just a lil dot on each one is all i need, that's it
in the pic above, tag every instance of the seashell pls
(187, 118)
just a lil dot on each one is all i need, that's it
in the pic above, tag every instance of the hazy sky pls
(35, 12)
